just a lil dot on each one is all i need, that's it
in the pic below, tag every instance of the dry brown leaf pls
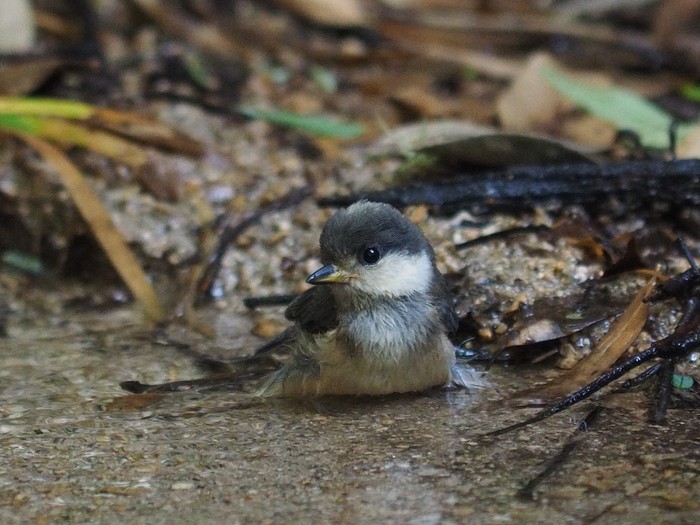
(689, 147)
(131, 402)
(146, 129)
(590, 130)
(23, 77)
(416, 136)
(206, 37)
(623, 333)
(451, 143)
(671, 18)
(101, 142)
(422, 41)
(418, 100)
(335, 13)
(530, 101)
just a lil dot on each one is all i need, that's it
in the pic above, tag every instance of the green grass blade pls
(19, 123)
(320, 126)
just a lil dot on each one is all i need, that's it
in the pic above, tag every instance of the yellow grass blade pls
(98, 141)
(36, 115)
(46, 107)
(101, 224)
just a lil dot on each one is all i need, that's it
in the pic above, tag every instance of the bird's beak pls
(329, 274)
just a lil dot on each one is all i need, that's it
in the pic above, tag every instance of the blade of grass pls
(101, 224)
(320, 126)
(27, 114)
(46, 107)
(72, 134)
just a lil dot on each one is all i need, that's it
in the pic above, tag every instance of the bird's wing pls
(448, 316)
(445, 305)
(314, 311)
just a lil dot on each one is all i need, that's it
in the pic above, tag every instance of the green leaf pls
(315, 125)
(623, 108)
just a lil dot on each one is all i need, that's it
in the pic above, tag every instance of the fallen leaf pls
(20, 78)
(625, 109)
(447, 145)
(530, 101)
(623, 333)
(334, 13)
(131, 402)
(671, 18)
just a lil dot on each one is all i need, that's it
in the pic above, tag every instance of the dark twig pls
(684, 340)
(231, 232)
(688, 256)
(503, 234)
(527, 492)
(677, 286)
(675, 181)
(583, 393)
(663, 394)
(240, 372)
(624, 49)
(230, 381)
(4, 310)
(641, 378)
(673, 138)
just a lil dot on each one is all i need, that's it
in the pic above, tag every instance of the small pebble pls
(182, 485)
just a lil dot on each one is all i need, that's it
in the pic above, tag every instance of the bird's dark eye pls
(371, 255)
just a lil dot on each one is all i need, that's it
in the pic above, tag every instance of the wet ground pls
(75, 449)
(222, 457)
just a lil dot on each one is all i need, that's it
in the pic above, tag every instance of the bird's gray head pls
(372, 248)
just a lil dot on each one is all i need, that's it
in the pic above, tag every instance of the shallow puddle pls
(222, 457)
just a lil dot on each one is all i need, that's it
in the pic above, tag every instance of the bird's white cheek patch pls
(396, 274)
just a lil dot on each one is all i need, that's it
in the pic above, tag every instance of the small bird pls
(376, 321)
